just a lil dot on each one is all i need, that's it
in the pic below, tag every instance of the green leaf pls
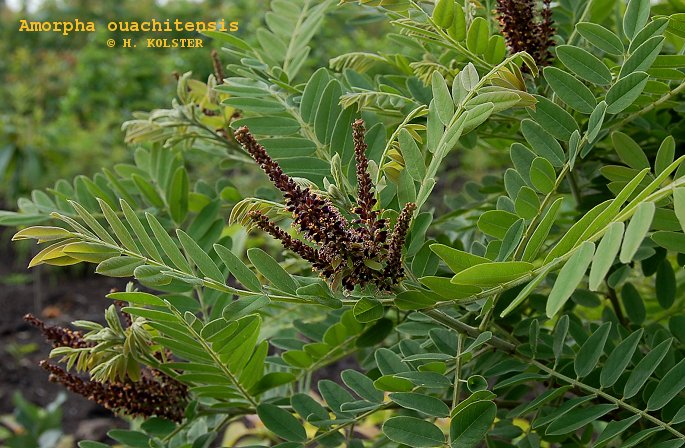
(569, 277)
(390, 383)
(414, 300)
(664, 157)
(619, 359)
(644, 369)
(442, 98)
(118, 266)
(577, 418)
(665, 284)
(137, 298)
(458, 28)
(151, 276)
(636, 17)
(673, 241)
(362, 385)
(140, 231)
(527, 203)
(542, 175)
(496, 51)
(91, 444)
(413, 159)
(522, 158)
(148, 191)
(423, 403)
(413, 432)
(542, 143)
(118, 227)
(496, 222)
(199, 257)
(625, 92)
(643, 57)
(42, 234)
(270, 381)
(308, 408)
(491, 274)
(328, 111)
(601, 38)
(281, 422)
(679, 205)
(629, 151)
(633, 304)
(584, 64)
(257, 105)
(560, 332)
(133, 439)
(443, 14)
(526, 291)
(469, 77)
(474, 117)
(168, 245)
(614, 429)
(312, 94)
(513, 236)
(477, 36)
(553, 118)
(444, 287)
(177, 195)
(271, 270)
(389, 362)
(596, 120)
(546, 397)
(88, 252)
(670, 385)
(268, 125)
(570, 90)
(368, 309)
(637, 230)
(588, 356)
(606, 254)
(542, 231)
(607, 213)
(471, 423)
(241, 272)
(243, 307)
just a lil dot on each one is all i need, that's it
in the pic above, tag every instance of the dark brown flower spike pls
(157, 395)
(526, 29)
(218, 67)
(350, 253)
(365, 198)
(59, 336)
(399, 235)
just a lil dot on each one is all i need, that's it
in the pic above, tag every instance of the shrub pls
(538, 305)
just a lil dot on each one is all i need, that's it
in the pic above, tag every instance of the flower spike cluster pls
(154, 394)
(527, 30)
(354, 252)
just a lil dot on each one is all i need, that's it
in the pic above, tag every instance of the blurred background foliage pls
(64, 97)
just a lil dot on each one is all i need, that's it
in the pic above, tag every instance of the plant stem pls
(583, 17)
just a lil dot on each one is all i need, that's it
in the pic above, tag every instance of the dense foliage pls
(539, 306)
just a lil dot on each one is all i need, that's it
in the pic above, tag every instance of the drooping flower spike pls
(147, 397)
(349, 253)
